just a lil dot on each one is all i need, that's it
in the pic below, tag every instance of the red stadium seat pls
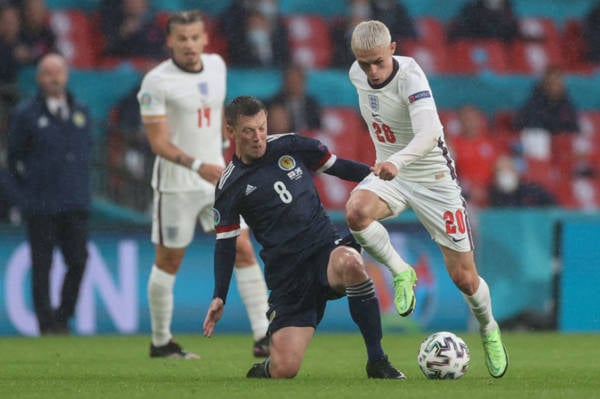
(573, 48)
(469, 56)
(431, 59)
(450, 122)
(503, 121)
(431, 31)
(589, 123)
(543, 172)
(74, 37)
(534, 57)
(346, 133)
(309, 40)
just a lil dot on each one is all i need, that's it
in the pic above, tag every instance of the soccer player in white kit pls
(413, 170)
(181, 102)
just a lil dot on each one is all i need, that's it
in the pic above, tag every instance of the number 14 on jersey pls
(204, 117)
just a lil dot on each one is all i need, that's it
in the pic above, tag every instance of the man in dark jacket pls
(49, 145)
(549, 106)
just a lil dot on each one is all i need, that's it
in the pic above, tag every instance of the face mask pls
(267, 8)
(507, 181)
(493, 4)
(258, 37)
(362, 11)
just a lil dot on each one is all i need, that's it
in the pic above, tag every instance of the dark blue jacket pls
(50, 158)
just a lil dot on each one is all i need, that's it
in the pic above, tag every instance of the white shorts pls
(175, 215)
(438, 205)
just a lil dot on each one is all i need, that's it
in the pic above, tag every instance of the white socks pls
(160, 300)
(253, 291)
(481, 306)
(376, 241)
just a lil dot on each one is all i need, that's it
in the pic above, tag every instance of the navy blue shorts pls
(304, 305)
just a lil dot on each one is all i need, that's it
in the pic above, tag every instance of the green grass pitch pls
(542, 365)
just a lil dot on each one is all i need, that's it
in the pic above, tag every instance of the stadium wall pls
(515, 255)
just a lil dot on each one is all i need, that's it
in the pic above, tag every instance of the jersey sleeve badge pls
(419, 95)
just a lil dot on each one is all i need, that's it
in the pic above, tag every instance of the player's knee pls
(466, 281)
(356, 217)
(284, 368)
(353, 267)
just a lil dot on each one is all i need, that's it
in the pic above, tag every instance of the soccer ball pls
(443, 355)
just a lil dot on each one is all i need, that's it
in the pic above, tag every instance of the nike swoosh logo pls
(457, 239)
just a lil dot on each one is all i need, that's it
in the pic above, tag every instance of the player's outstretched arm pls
(223, 268)
(348, 170)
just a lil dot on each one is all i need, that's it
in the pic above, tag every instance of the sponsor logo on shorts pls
(172, 232)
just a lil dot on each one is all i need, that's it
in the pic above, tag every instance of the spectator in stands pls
(50, 142)
(510, 190)
(134, 32)
(393, 14)
(256, 33)
(36, 35)
(303, 108)
(278, 119)
(485, 19)
(591, 33)
(549, 106)
(390, 12)
(475, 151)
(131, 155)
(12, 54)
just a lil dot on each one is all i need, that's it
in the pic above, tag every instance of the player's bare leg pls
(363, 210)
(463, 272)
(160, 301)
(253, 291)
(288, 346)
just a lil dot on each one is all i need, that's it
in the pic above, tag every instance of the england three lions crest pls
(374, 102)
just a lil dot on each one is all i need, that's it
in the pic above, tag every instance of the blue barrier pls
(579, 296)
(113, 294)
(514, 252)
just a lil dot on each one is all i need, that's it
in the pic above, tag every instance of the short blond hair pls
(368, 35)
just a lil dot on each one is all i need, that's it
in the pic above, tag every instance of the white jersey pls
(193, 103)
(387, 110)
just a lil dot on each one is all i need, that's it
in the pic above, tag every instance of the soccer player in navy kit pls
(269, 183)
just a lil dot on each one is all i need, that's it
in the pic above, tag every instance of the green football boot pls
(404, 292)
(496, 357)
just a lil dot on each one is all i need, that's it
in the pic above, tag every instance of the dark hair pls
(243, 105)
(183, 18)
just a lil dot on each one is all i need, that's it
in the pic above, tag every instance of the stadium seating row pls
(80, 39)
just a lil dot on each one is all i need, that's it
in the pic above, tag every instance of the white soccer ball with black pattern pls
(444, 355)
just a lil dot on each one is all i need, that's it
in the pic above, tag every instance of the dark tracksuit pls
(50, 159)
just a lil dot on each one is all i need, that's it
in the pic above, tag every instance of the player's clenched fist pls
(385, 170)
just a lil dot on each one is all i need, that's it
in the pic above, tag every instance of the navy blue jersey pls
(277, 197)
